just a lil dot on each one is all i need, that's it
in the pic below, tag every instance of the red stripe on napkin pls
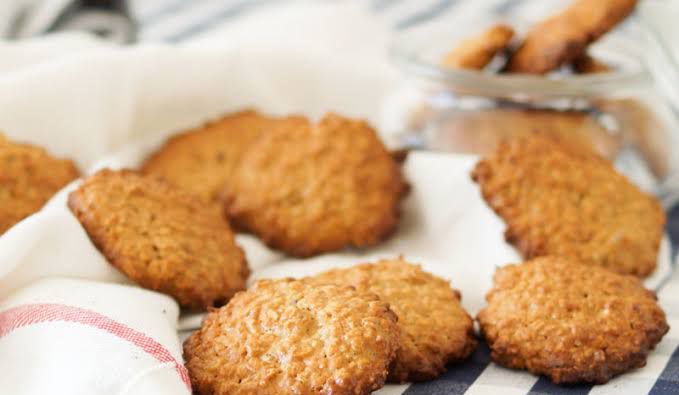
(30, 314)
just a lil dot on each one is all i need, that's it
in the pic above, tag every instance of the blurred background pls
(181, 20)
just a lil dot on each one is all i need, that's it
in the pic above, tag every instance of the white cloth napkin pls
(62, 336)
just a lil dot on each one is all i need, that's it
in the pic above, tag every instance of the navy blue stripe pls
(673, 227)
(458, 378)
(544, 386)
(230, 11)
(668, 381)
(426, 14)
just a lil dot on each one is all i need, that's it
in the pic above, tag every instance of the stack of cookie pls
(344, 331)
(577, 310)
(304, 189)
(558, 45)
(560, 40)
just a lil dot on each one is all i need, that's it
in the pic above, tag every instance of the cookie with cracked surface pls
(476, 52)
(571, 322)
(29, 177)
(161, 237)
(292, 337)
(202, 160)
(313, 189)
(559, 199)
(435, 329)
(565, 36)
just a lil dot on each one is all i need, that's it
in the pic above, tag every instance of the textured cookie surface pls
(565, 36)
(291, 337)
(161, 237)
(311, 189)
(203, 160)
(561, 200)
(476, 52)
(29, 176)
(571, 322)
(435, 329)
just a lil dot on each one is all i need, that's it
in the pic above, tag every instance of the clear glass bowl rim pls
(517, 85)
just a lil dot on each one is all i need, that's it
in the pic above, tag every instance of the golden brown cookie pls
(161, 237)
(29, 176)
(558, 199)
(312, 189)
(435, 329)
(476, 52)
(202, 160)
(565, 36)
(573, 323)
(291, 337)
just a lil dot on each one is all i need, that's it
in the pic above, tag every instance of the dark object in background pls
(109, 19)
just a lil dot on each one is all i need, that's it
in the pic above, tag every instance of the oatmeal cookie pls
(570, 322)
(312, 189)
(291, 337)
(476, 52)
(565, 36)
(29, 176)
(161, 237)
(558, 199)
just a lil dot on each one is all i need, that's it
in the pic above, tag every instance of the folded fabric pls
(63, 336)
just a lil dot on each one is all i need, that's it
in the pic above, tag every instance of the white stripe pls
(496, 379)
(188, 18)
(392, 389)
(670, 292)
(624, 384)
(486, 389)
(673, 333)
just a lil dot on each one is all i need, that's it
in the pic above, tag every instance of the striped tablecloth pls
(180, 20)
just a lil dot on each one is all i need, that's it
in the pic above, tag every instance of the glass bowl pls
(626, 115)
